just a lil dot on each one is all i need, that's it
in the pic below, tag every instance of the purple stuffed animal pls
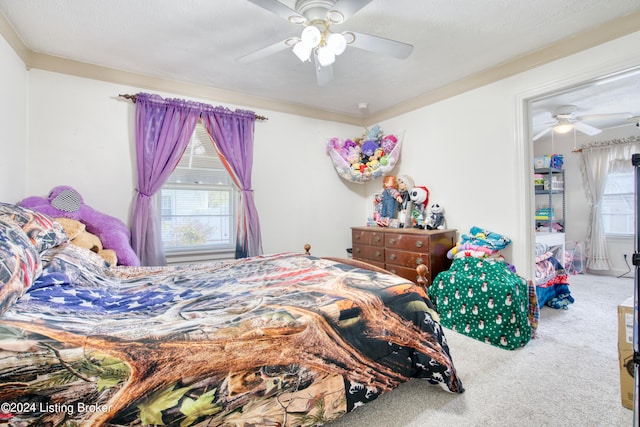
(65, 202)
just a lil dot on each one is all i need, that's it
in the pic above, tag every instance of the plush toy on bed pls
(79, 236)
(65, 202)
(435, 218)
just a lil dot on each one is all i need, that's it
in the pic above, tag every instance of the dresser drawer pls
(406, 259)
(367, 237)
(408, 242)
(368, 253)
(400, 251)
(407, 273)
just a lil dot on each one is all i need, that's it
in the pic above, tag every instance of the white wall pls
(472, 151)
(81, 134)
(13, 124)
(464, 150)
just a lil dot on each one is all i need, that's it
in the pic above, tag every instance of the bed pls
(281, 339)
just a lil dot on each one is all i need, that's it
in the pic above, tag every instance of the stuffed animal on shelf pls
(420, 198)
(65, 202)
(435, 218)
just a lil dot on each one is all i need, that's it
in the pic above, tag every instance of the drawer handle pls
(377, 238)
(357, 237)
(419, 244)
(393, 271)
(358, 250)
(378, 253)
(392, 256)
(392, 241)
(419, 261)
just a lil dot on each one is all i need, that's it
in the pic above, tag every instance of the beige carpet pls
(567, 376)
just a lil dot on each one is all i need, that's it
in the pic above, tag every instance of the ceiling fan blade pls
(348, 8)
(605, 121)
(323, 74)
(585, 128)
(380, 45)
(274, 6)
(263, 52)
(541, 134)
(605, 116)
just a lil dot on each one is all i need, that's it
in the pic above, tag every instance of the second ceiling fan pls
(318, 40)
(565, 119)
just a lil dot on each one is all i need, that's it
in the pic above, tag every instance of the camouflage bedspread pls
(283, 339)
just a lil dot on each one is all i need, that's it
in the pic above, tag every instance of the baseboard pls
(612, 273)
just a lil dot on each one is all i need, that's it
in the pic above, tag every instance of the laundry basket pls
(575, 257)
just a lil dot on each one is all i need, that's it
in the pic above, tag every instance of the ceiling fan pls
(318, 40)
(565, 119)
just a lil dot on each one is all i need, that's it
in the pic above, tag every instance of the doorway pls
(603, 109)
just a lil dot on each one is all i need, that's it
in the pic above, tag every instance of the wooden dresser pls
(401, 250)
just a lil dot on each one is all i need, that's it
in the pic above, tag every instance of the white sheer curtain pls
(597, 161)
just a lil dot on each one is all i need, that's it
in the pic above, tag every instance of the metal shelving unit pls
(554, 190)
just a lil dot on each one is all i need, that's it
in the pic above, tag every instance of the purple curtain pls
(162, 131)
(232, 132)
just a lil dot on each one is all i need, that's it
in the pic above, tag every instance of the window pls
(198, 203)
(618, 211)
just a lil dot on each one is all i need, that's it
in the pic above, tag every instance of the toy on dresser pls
(405, 205)
(435, 218)
(388, 201)
(419, 196)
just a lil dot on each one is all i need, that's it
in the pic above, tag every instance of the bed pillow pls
(20, 263)
(43, 231)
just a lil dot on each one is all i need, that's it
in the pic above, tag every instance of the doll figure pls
(390, 197)
(405, 205)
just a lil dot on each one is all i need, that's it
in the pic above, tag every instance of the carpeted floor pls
(567, 376)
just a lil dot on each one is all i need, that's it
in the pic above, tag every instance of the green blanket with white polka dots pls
(484, 299)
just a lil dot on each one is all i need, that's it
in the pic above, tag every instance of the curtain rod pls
(132, 98)
(603, 144)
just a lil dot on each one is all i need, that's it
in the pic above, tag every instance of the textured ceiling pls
(199, 41)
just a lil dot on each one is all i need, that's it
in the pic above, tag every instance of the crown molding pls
(12, 38)
(152, 83)
(578, 42)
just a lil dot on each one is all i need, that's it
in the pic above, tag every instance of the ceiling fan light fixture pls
(311, 36)
(302, 50)
(563, 128)
(337, 43)
(326, 56)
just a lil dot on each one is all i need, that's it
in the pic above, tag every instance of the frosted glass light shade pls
(337, 43)
(311, 36)
(564, 128)
(326, 56)
(302, 51)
